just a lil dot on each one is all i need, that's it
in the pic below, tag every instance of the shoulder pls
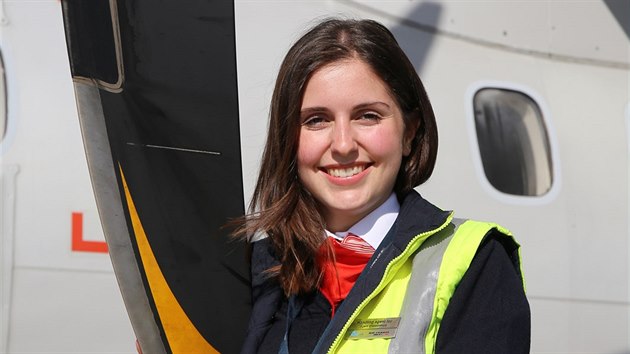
(266, 294)
(488, 311)
(484, 241)
(263, 257)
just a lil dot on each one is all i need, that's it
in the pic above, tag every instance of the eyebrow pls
(313, 110)
(375, 103)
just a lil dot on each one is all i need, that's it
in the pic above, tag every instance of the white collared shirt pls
(375, 225)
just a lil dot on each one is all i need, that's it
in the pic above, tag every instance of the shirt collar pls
(375, 225)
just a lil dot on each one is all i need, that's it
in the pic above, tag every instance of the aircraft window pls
(93, 39)
(513, 142)
(3, 101)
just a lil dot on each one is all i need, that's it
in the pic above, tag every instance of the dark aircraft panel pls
(172, 130)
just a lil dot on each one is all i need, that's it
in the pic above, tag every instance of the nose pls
(343, 144)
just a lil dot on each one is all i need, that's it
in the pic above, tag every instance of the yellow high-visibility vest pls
(404, 312)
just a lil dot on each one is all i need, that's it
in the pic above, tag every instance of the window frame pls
(107, 86)
(4, 103)
(475, 151)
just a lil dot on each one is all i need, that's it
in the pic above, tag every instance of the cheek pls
(308, 153)
(387, 144)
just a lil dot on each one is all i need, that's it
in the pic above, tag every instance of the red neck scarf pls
(340, 273)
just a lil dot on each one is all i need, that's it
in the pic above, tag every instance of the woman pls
(352, 258)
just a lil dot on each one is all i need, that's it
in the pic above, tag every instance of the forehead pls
(348, 80)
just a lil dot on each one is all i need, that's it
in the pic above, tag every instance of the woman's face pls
(352, 140)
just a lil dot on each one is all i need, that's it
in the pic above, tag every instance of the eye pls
(315, 122)
(369, 117)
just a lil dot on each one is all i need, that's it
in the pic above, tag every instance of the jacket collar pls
(416, 216)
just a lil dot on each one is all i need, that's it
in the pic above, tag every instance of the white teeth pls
(345, 172)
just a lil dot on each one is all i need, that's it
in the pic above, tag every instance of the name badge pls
(374, 328)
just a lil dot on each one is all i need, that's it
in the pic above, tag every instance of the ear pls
(411, 128)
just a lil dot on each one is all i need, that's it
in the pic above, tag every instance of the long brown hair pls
(281, 207)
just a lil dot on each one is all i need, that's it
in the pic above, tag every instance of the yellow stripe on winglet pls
(180, 332)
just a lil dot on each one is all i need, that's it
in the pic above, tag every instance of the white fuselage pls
(570, 58)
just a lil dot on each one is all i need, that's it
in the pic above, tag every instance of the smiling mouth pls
(345, 172)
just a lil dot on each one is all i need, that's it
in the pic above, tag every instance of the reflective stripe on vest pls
(417, 309)
(421, 290)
